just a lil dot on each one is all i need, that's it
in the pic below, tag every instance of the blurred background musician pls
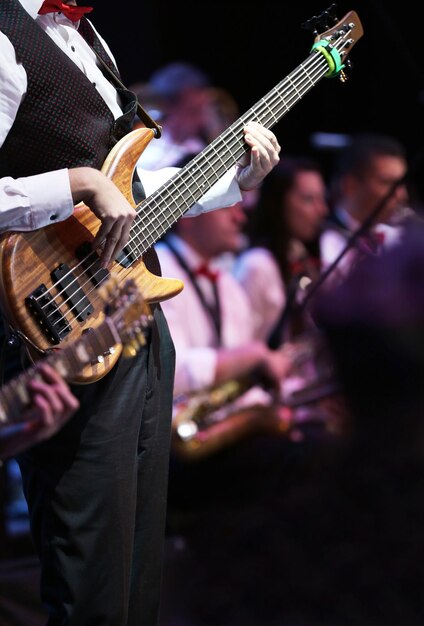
(282, 253)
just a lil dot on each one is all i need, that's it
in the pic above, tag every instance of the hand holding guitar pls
(37, 403)
(107, 202)
(261, 158)
(51, 405)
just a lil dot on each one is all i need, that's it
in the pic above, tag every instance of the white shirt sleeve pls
(258, 273)
(13, 85)
(191, 331)
(33, 202)
(36, 201)
(223, 193)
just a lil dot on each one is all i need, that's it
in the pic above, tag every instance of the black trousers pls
(96, 494)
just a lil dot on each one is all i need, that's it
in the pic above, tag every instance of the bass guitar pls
(50, 278)
(126, 320)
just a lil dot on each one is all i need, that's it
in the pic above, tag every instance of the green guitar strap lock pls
(331, 55)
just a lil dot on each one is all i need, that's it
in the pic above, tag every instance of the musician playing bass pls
(97, 490)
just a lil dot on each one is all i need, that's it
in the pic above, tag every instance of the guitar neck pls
(68, 361)
(164, 207)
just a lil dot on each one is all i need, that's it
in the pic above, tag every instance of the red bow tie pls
(56, 6)
(205, 270)
(371, 242)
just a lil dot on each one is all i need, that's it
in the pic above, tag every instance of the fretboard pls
(173, 199)
(68, 361)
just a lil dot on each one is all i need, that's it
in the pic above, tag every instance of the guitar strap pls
(142, 113)
(214, 311)
(111, 72)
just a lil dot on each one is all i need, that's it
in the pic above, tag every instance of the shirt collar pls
(32, 6)
(190, 256)
(346, 219)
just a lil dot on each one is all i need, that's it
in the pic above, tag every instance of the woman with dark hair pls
(282, 255)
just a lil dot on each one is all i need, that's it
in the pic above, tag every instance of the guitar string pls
(241, 148)
(203, 156)
(297, 92)
(314, 61)
(14, 396)
(145, 243)
(131, 240)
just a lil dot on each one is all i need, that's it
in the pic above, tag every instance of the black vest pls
(62, 120)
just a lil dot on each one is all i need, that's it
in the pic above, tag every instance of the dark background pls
(248, 48)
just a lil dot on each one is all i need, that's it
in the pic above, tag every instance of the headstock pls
(337, 39)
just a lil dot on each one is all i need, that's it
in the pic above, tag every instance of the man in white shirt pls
(97, 490)
(213, 346)
(216, 493)
(369, 179)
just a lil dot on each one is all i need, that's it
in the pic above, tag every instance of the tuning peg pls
(133, 346)
(141, 338)
(136, 343)
(321, 21)
(129, 351)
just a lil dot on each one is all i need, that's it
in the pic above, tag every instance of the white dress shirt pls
(30, 203)
(258, 273)
(333, 241)
(191, 327)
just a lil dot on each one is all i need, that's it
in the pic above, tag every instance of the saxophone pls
(209, 420)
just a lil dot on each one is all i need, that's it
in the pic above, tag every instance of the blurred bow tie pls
(72, 12)
(371, 242)
(207, 272)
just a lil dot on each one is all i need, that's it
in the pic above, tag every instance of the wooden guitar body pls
(28, 260)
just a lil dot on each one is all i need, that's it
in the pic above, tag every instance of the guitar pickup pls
(125, 258)
(91, 264)
(47, 315)
(71, 293)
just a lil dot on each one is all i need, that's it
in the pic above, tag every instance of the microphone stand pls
(363, 228)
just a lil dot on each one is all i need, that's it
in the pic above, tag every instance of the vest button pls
(73, 48)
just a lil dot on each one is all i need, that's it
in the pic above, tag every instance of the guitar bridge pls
(43, 308)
